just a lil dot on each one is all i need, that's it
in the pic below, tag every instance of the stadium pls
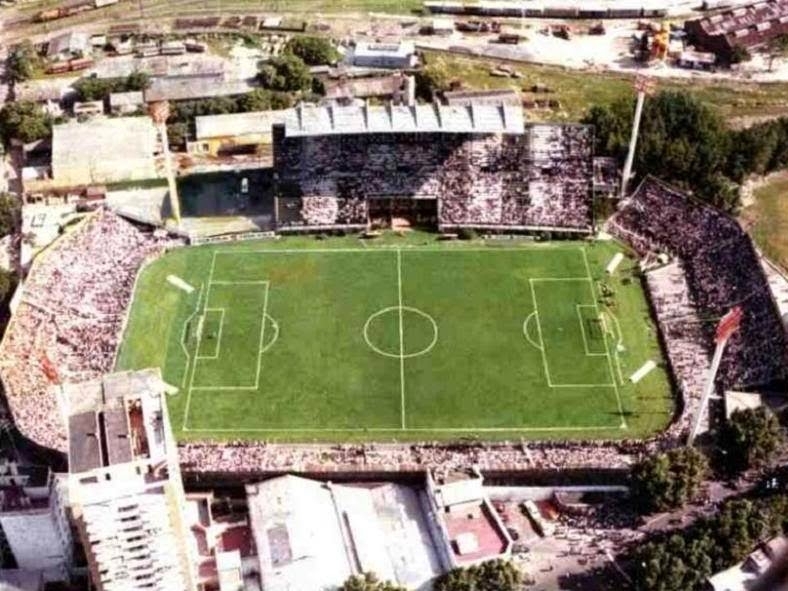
(551, 340)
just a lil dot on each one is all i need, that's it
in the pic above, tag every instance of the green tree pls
(368, 582)
(9, 214)
(493, 575)
(7, 284)
(749, 438)
(668, 480)
(99, 89)
(681, 141)
(431, 79)
(777, 48)
(315, 51)
(261, 99)
(22, 62)
(25, 121)
(286, 73)
(740, 54)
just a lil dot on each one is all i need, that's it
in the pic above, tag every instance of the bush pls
(368, 582)
(10, 210)
(314, 51)
(431, 79)
(467, 234)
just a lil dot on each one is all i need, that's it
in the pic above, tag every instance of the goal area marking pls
(203, 307)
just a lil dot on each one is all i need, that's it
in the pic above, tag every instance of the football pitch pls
(332, 340)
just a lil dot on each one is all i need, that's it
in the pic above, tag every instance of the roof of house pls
(467, 97)
(239, 124)
(402, 49)
(132, 98)
(310, 535)
(71, 42)
(176, 88)
(103, 150)
(309, 120)
(363, 87)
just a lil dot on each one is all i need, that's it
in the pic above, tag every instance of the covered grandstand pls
(462, 166)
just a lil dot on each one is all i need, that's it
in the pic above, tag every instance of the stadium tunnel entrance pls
(403, 213)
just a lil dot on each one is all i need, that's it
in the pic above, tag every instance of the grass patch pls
(304, 339)
(767, 218)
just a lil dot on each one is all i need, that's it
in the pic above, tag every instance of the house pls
(235, 132)
(401, 55)
(126, 103)
(73, 44)
(740, 577)
(749, 26)
(104, 150)
(190, 87)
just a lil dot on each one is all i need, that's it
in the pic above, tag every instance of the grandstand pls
(715, 268)
(462, 166)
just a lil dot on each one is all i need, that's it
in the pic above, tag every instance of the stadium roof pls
(311, 536)
(239, 124)
(103, 150)
(311, 120)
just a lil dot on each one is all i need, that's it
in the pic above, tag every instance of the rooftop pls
(239, 124)
(115, 420)
(373, 49)
(310, 535)
(103, 150)
(177, 88)
(310, 120)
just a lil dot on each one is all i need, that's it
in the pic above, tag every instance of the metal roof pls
(239, 124)
(310, 120)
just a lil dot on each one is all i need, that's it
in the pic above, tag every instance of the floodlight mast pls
(643, 86)
(159, 112)
(727, 326)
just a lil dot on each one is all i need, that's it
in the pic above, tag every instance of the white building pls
(125, 487)
(401, 55)
(33, 521)
(312, 536)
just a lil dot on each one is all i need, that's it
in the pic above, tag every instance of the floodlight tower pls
(727, 326)
(643, 86)
(159, 112)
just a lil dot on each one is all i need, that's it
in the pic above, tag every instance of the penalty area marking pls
(527, 334)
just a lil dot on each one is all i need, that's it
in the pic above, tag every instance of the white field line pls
(218, 346)
(389, 248)
(260, 347)
(539, 330)
(401, 340)
(399, 430)
(185, 426)
(183, 335)
(619, 342)
(527, 334)
(578, 307)
(604, 338)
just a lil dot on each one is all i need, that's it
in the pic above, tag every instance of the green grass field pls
(409, 339)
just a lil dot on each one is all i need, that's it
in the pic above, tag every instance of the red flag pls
(49, 369)
(729, 324)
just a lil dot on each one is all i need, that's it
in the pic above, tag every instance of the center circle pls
(401, 332)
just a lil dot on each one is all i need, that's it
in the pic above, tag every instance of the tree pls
(681, 141)
(22, 62)
(25, 121)
(7, 284)
(9, 214)
(431, 79)
(749, 438)
(493, 575)
(261, 99)
(315, 51)
(99, 89)
(740, 54)
(777, 48)
(368, 582)
(668, 480)
(286, 73)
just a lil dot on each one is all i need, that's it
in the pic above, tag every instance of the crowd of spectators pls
(542, 179)
(722, 271)
(68, 323)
